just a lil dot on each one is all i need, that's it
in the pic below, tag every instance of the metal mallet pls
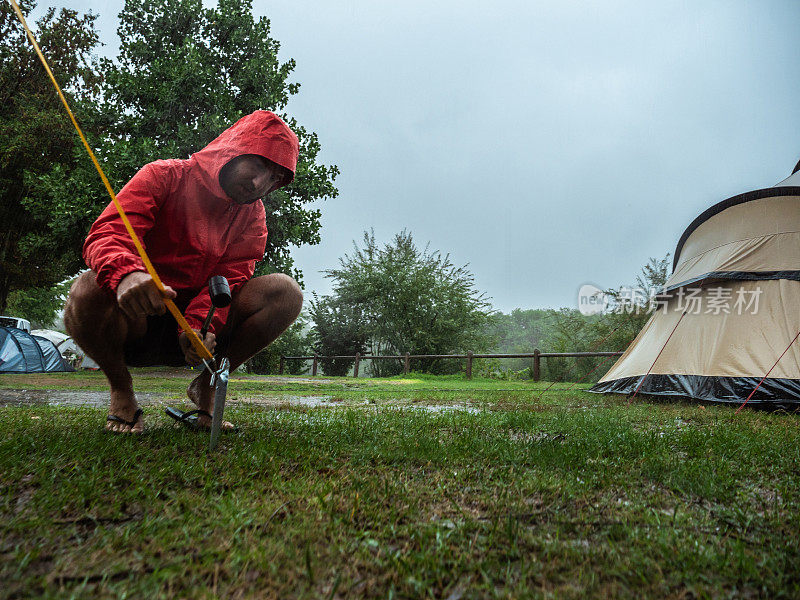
(220, 293)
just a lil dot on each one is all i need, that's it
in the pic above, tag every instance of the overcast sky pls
(547, 144)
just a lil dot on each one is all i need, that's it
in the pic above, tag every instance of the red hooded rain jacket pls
(189, 227)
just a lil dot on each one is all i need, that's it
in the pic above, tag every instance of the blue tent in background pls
(21, 352)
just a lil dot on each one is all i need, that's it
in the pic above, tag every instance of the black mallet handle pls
(220, 293)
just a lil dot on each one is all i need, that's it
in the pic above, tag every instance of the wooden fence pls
(469, 356)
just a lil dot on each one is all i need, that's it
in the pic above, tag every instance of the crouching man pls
(196, 218)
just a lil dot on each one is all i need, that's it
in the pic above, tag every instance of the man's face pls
(249, 177)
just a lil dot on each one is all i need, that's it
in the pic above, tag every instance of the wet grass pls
(563, 495)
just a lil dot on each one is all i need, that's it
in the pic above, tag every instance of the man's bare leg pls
(100, 328)
(263, 309)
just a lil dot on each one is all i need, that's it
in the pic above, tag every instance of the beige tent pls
(731, 307)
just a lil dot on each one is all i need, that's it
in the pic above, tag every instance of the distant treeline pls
(397, 297)
(567, 330)
(549, 330)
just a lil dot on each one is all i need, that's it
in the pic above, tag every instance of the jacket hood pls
(262, 133)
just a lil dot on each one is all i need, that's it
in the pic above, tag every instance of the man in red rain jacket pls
(196, 218)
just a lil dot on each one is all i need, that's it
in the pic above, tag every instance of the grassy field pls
(395, 488)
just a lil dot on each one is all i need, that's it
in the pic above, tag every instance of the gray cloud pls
(545, 143)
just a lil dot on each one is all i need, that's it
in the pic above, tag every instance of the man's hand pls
(138, 296)
(189, 353)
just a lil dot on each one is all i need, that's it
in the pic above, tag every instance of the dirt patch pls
(24, 493)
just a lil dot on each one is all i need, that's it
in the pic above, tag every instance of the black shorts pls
(158, 346)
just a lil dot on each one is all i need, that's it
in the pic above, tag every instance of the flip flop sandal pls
(189, 418)
(131, 423)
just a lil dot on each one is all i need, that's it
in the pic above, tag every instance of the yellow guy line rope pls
(202, 351)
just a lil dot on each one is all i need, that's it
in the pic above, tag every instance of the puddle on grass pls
(9, 397)
(304, 401)
(94, 398)
(440, 408)
(331, 402)
(67, 397)
(278, 379)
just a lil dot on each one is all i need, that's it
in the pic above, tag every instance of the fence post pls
(280, 368)
(537, 365)
(314, 365)
(355, 369)
(469, 364)
(406, 365)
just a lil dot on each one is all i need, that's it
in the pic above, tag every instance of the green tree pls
(610, 332)
(573, 332)
(38, 305)
(519, 332)
(340, 329)
(184, 73)
(630, 312)
(43, 214)
(412, 300)
(294, 341)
